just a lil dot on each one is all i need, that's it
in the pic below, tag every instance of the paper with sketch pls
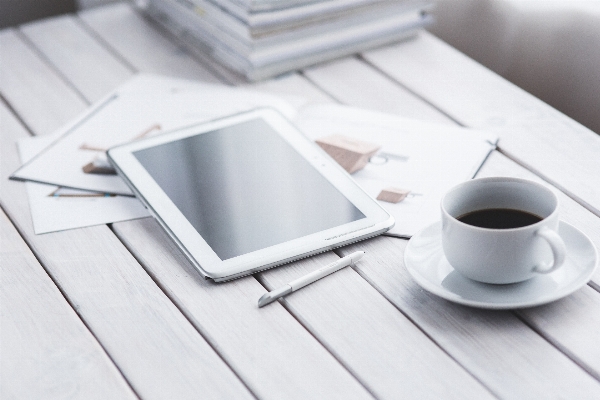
(425, 158)
(143, 106)
(56, 209)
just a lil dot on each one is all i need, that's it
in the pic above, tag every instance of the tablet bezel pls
(376, 220)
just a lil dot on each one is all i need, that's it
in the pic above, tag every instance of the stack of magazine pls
(262, 38)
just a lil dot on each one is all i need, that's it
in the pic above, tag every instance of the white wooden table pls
(116, 311)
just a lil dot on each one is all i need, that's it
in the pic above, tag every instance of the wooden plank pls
(150, 52)
(267, 347)
(479, 98)
(573, 325)
(46, 351)
(72, 51)
(381, 346)
(32, 89)
(351, 78)
(292, 84)
(257, 344)
(158, 351)
(93, 68)
(118, 21)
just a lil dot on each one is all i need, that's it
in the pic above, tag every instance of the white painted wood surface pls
(369, 336)
(45, 349)
(363, 332)
(257, 343)
(74, 53)
(352, 78)
(496, 346)
(31, 90)
(166, 57)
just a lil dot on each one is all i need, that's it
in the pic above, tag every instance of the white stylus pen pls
(310, 278)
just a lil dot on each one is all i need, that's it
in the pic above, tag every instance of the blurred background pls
(15, 12)
(550, 48)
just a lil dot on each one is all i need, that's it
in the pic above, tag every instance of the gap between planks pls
(46, 61)
(571, 355)
(182, 310)
(286, 305)
(409, 90)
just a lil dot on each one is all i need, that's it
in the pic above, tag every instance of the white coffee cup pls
(506, 255)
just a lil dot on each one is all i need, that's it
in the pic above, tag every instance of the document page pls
(425, 158)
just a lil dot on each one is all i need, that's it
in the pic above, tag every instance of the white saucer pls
(425, 261)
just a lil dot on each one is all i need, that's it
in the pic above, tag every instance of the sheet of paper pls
(144, 106)
(425, 158)
(56, 209)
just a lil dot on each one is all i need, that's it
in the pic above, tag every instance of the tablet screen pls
(244, 188)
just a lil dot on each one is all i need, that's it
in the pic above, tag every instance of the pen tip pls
(264, 300)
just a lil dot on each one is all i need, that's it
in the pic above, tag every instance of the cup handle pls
(559, 250)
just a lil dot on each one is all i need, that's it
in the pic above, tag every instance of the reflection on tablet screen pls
(244, 188)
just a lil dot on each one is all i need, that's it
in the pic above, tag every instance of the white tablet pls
(246, 193)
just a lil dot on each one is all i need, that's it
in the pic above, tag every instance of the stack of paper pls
(262, 38)
(425, 158)
(64, 194)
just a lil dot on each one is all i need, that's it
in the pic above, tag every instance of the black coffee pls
(499, 218)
